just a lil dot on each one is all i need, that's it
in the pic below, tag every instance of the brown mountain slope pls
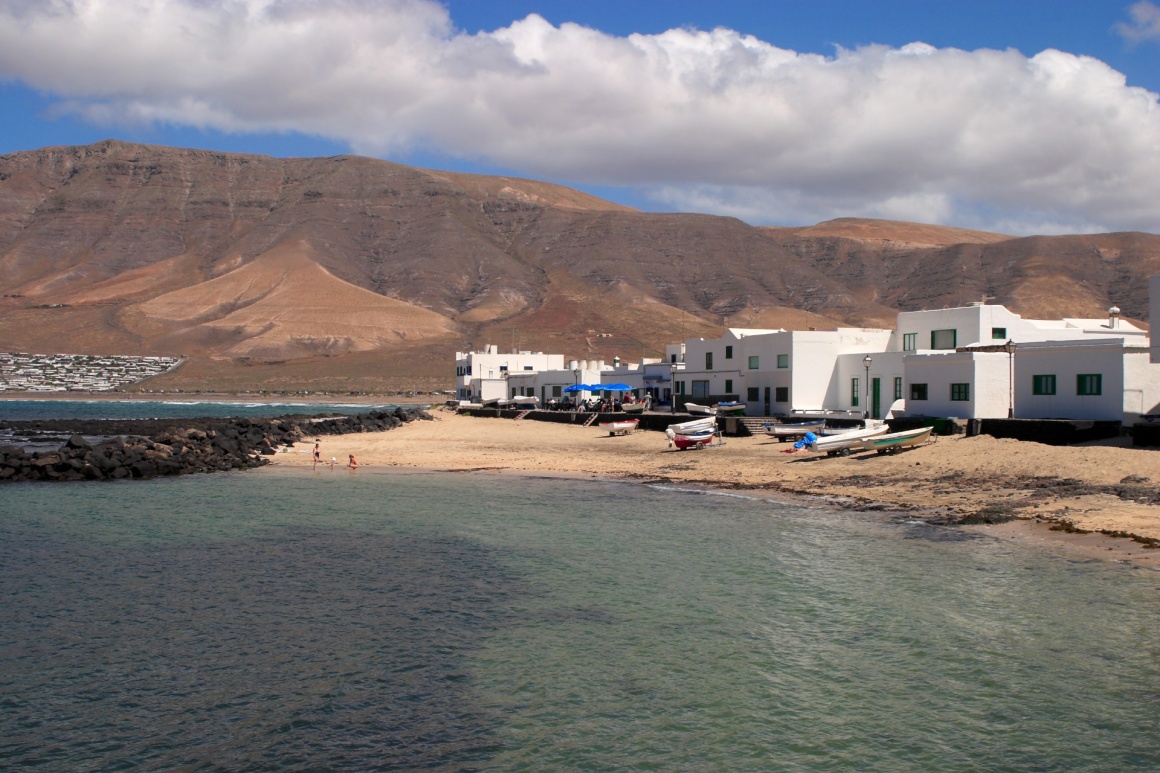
(384, 270)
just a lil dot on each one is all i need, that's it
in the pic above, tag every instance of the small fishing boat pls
(894, 442)
(700, 410)
(528, 403)
(632, 407)
(696, 440)
(619, 426)
(841, 444)
(692, 427)
(784, 432)
(729, 409)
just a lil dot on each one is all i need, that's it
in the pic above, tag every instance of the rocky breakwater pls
(133, 449)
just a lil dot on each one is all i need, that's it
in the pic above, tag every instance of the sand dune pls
(284, 304)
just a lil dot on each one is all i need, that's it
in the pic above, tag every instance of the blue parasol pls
(617, 387)
(577, 388)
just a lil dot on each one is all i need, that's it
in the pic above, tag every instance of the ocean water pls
(299, 620)
(22, 410)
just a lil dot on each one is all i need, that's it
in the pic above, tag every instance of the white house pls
(984, 361)
(783, 371)
(1109, 379)
(550, 384)
(959, 384)
(483, 375)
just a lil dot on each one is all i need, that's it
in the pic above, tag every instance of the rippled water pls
(31, 410)
(292, 620)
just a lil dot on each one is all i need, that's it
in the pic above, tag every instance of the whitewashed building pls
(484, 375)
(978, 361)
(783, 371)
(985, 361)
(550, 384)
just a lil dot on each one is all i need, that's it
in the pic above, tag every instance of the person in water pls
(352, 463)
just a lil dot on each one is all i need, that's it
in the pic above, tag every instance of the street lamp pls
(866, 361)
(673, 388)
(576, 393)
(1009, 347)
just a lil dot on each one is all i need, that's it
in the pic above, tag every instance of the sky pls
(1026, 117)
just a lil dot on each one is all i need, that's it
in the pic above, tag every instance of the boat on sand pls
(692, 427)
(619, 426)
(894, 442)
(843, 443)
(696, 440)
(784, 432)
(700, 410)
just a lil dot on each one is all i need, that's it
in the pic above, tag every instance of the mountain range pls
(351, 273)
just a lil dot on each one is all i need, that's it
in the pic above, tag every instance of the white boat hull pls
(700, 410)
(692, 427)
(785, 432)
(849, 440)
(895, 441)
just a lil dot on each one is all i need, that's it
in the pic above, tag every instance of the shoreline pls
(1028, 485)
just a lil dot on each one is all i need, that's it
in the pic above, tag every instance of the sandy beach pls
(1104, 488)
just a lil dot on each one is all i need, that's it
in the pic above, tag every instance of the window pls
(918, 391)
(1043, 385)
(960, 392)
(728, 386)
(898, 387)
(910, 342)
(781, 395)
(708, 360)
(728, 352)
(680, 387)
(854, 391)
(701, 388)
(468, 373)
(557, 390)
(752, 395)
(999, 333)
(503, 368)
(783, 360)
(754, 362)
(1089, 384)
(943, 339)
(529, 367)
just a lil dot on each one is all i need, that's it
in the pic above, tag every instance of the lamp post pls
(673, 388)
(1009, 347)
(575, 382)
(866, 408)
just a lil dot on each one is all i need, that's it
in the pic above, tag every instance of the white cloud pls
(708, 120)
(1145, 24)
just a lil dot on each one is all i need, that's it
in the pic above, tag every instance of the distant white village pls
(77, 372)
(980, 361)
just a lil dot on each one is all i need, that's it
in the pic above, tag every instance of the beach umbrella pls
(617, 387)
(577, 388)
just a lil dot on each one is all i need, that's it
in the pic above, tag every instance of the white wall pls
(1066, 360)
(1154, 317)
(986, 373)
(973, 324)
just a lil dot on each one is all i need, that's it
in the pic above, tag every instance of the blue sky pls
(774, 112)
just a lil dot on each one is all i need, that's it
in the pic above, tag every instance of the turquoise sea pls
(286, 619)
(26, 410)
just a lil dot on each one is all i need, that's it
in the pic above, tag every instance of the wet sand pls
(1104, 487)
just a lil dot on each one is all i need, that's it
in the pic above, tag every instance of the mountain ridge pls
(111, 247)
